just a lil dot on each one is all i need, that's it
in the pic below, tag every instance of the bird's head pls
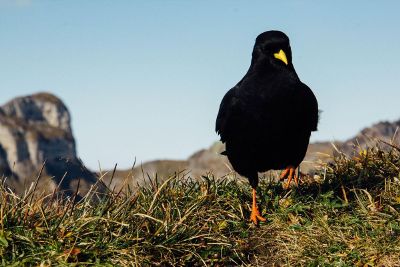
(272, 49)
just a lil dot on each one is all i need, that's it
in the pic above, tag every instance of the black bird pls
(266, 120)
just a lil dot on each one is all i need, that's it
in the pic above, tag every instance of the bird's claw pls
(289, 172)
(256, 216)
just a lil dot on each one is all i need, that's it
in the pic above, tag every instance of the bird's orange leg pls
(296, 179)
(289, 172)
(255, 213)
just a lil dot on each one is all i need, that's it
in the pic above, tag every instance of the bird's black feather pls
(267, 118)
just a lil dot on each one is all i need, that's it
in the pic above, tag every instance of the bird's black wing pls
(226, 111)
(307, 107)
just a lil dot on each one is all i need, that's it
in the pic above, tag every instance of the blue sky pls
(144, 79)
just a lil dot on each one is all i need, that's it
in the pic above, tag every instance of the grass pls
(348, 214)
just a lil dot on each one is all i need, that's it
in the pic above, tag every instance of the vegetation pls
(348, 214)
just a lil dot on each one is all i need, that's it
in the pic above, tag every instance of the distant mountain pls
(210, 160)
(35, 129)
(140, 174)
(386, 131)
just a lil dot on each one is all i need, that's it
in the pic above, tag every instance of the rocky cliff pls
(34, 130)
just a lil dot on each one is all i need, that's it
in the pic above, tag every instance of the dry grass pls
(348, 215)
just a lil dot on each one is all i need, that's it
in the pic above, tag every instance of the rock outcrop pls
(34, 130)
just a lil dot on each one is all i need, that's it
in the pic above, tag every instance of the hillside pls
(349, 216)
(193, 212)
(210, 161)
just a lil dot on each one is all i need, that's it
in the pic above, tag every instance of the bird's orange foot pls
(255, 213)
(289, 173)
(255, 216)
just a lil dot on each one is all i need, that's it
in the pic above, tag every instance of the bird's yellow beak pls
(282, 56)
